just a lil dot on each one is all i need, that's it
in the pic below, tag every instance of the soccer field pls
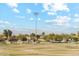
(42, 49)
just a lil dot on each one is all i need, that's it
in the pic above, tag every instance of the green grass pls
(50, 49)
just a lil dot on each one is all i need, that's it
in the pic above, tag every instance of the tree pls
(7, 33)
(38, 36)
(43, 33)
(49, 37)
(77, 35)
(32, 36)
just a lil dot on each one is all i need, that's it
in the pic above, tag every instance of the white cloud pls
(39, 1)
(4, 22)
(46, 6)
(31, 18)
(39, 19)
(48, 21)
(19, 16)
(28, 11)
(35, 4)
(14, 7)
(60, 20)
(52, 8)
(76, 20)
(42, 10)
(76, 27)
(76, 15)
(51, 13)
(60, 7)
(16, 10)
(2, 26)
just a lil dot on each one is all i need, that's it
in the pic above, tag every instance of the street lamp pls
(36, 22)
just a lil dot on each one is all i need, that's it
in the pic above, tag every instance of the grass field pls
(42, 49)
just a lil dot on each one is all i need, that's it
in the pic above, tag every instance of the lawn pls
(42, 49)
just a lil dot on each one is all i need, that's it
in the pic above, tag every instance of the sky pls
(52, 17)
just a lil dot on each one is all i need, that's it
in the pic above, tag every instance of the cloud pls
(40, 1)
(2, 26)
(7, 25)
(20, 16)
(34, 20)
(52, 8)
(16, 10)
(48, 21)
(51, 13)
(28, 11)
(75, 27)
(60, 7)
(4, 22)
(60, 20)
(31, 18)
(39, 19)
(14, 7)
(55, 7)
(76, 15)
(35, 4)
(76, 20)
(46, 6)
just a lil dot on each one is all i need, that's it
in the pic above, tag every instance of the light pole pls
(36, 22)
